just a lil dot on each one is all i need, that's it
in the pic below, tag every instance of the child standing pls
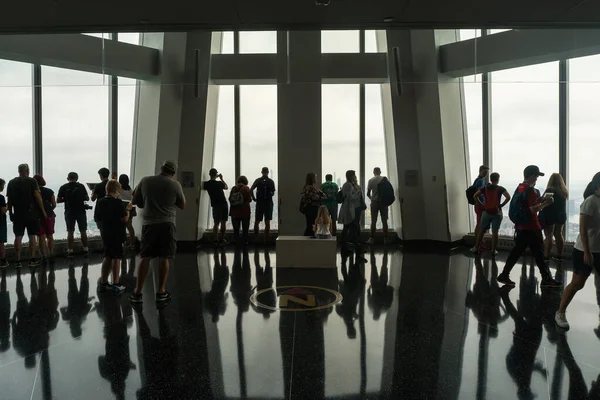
(113, 215)
(3, 229)
(323, 223)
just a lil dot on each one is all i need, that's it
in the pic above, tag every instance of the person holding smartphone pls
(586, 252)
(218, 201)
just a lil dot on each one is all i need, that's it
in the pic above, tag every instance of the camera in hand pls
(87, 206)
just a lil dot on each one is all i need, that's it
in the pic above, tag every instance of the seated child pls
(323, 223)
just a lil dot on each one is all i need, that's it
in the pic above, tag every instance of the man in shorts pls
(265, 190)
(218, 202)
(25, 207)
(159, 196)
(376, 207)
(74, 195)
(331, 189)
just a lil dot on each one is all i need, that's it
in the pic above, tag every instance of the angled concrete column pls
(175, 119)
(299, 123)
(424, 108)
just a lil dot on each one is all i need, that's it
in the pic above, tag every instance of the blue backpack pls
(518, 211)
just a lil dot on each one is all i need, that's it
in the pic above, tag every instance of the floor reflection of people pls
(241, 289)
(160, 359)
(216, 299)
(4, 314)
(521, 360)
(78, 301)
(115, 364)
(351, 288)
(484, 302)
(264, 280)
(380, 295)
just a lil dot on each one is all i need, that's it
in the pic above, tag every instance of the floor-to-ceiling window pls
(584, 127)
(74, 130)
(340, 41)
(259, 42)
(524, 125)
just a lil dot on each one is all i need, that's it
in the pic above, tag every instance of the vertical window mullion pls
(37, 118)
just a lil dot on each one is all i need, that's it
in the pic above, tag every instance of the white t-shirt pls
(126, 195)
(591, 207)
(372, 186)
(322, 229)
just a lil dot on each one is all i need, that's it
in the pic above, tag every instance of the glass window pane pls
(227, 46)
(16, 104)
(126, 118)
(466, 34)
(129, 37)
(371, 41)
(75, 122)
(524, 125)
(341, 142)
(340, 42)
(584, 123)
(494, 31)
(374, 143)
(473, 116)
(258, 141)
(258, 42)
(224, 155)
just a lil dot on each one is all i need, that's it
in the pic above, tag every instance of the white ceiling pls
(154, 15)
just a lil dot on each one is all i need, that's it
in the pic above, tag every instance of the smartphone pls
(549, 194)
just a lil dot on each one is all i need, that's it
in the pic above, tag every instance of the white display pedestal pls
(306, 252)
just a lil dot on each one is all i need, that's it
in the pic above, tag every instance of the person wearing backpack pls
(265, 190)
(523, 212)
(492, 211)
(74, 195)
(239, 210)
(381, 194)
(477, 205)
(331, 190)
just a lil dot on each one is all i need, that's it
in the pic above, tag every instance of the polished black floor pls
(409, 326)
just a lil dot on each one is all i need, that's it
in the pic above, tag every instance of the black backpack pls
(75, 196)
(385, 193)
(263, 190)
(470, 192)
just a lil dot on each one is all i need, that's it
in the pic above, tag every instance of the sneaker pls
(18, 264)
(505, 280)
(561, 320)
(371, 241)
(551, 283)
(474, 250)
(3, 264)
(162, 297)
(494, 253)
(86, 252)
(34, 262)
(118, 288)
(105, 287)
(136, 298)
(557, 258)
(70, 254)
(223, 242)
(216, 243)
(547, 260)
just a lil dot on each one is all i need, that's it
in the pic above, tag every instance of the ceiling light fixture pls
(388, 19)
(323, 3)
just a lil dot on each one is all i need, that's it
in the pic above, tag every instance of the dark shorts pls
(47, 226)
(80, 218)
(113, 247)
(378, 209)
(581, 268)
(158, 240)
(3, 232)
(21, 223)
(220, 213)
(264, 210)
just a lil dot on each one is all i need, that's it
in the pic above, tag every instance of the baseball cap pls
(532, 170)
(170, 166)
(213, 172)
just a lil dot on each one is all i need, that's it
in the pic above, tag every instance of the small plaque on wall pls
(411, 177)
(187, 179)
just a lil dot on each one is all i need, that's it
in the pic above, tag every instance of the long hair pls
(557, 183)
(592, 186)
(113, 186)
(323, 217)
(310, 179)
(124, 181)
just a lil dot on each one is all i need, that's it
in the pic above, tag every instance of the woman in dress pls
(126, 195)
(554, 217)
(312, 197)
(351, 209)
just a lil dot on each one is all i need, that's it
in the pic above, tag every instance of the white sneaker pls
(494, 253)
(474, 250)
(561, 320)
(371, 241)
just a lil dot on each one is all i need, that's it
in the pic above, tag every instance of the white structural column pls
(424, 126)
(299, 123)
(175, 119)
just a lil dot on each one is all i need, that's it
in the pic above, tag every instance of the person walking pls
(218, 202)
(554, 217)
(524, 207)
(265, 190)
(239, 200)
(331, 189)
(159, 196)
(25, 208)
(311, 200)
(74, 195)
(352, 207)
(492, 211)
(46, 233)
(586, 252)
(126, 195)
